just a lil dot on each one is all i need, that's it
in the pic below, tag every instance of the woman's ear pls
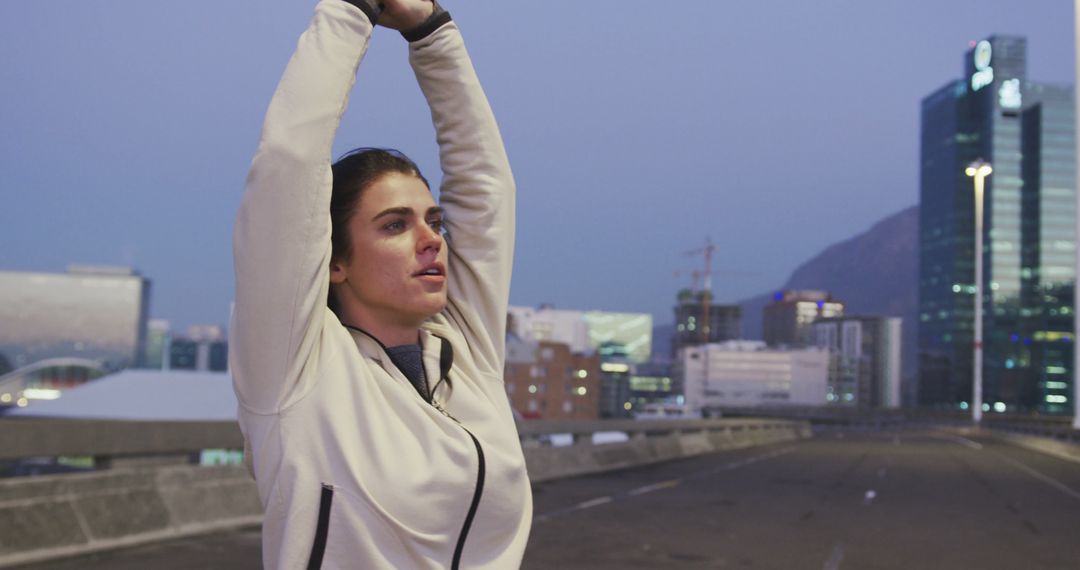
(337, 272)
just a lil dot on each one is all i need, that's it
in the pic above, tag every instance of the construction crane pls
(706, 293)
(695, 277)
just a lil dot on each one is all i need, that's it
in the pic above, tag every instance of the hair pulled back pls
(353, 173)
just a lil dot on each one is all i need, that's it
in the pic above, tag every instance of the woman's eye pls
(395, 225)
(436, 225)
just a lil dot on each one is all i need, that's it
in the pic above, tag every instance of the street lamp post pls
(1076, 282)
(978, 170)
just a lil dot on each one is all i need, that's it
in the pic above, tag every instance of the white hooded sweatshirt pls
(354, 468)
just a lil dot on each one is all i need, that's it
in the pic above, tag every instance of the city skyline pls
(128, 140)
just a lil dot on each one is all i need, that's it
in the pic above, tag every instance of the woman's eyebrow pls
(404, 211)
(400, 210)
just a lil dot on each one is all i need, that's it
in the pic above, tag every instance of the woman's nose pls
(430, 238)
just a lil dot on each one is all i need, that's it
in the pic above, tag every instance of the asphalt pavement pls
(867, 501)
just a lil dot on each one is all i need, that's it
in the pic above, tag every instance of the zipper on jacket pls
(475, 502)
(446, 362)
(318, 547)
(480, 472)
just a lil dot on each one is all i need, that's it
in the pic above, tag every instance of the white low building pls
(748, 373)
(585, 331)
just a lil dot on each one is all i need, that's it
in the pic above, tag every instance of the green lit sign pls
(984, 74)
(1009, 96)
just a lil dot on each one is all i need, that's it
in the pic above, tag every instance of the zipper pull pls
(439, 407)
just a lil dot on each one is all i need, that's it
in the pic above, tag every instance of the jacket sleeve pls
(281, 241)
(477, 193)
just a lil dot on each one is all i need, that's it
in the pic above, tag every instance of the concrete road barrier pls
(61, 515)
(1065, 450)
(1060, 449)
(546, 463)
(136, 501)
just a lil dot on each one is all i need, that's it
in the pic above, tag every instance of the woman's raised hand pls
(403, 15)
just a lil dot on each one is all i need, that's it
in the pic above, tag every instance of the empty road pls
(868, 501)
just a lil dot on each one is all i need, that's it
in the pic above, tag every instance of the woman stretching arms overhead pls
(368, 333)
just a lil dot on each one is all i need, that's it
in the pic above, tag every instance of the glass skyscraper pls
(1026, 131)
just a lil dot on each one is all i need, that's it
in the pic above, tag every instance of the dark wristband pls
(370, 8)
(434, 22)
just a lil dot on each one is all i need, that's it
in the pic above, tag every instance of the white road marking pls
(869, 497)
(655, 487)
(747, 461)
(960, 440)
(1031, 471)
(544, 517)
(593, 503)
(835, 558)
(733, 465)
(1042, 477)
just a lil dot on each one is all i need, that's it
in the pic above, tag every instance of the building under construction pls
(698, 321)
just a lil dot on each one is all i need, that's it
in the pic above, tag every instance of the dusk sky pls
(776, 127)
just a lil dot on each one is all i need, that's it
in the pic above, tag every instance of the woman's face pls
(397, 274)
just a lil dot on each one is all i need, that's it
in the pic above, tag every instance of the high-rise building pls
(864, 360)
(95, 313)
(1026, 131)
(691, 327)
(788, 318)
(157, 344)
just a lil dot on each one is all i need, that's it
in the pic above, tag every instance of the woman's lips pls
(432, 273)
(432, 278)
